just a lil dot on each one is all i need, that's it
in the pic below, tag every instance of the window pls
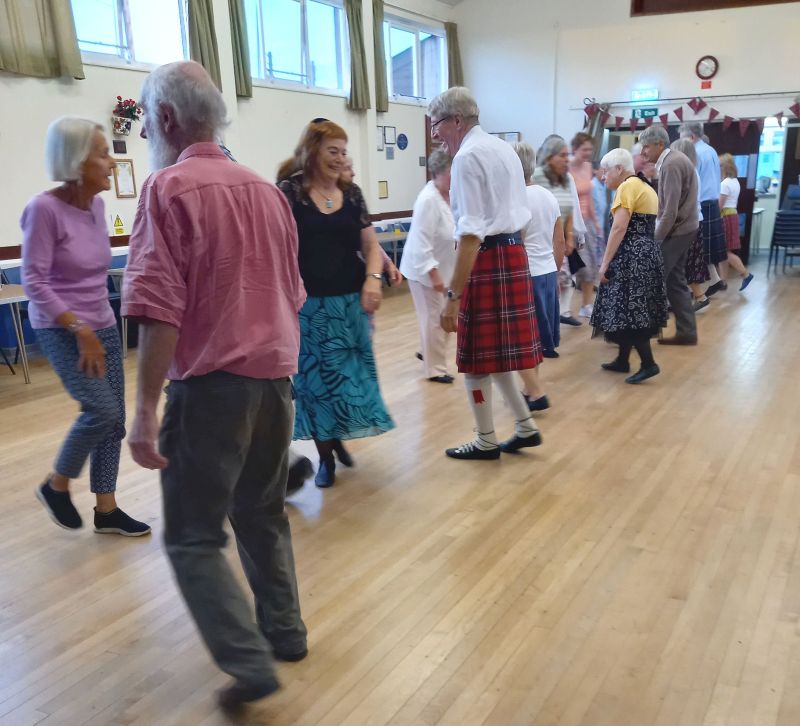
(657, 7)
(144, 31)
(416, 59)
(301, 42)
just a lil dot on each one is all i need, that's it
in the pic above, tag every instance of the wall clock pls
(707, 67)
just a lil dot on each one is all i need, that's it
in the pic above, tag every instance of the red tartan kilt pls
(497, 330)
(731, 224)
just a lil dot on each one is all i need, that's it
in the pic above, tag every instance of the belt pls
(501, 240)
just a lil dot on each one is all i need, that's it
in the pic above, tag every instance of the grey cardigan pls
(677, 197)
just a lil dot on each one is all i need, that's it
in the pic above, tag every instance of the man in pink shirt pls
(213, 280)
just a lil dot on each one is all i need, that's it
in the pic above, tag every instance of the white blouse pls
(430, 240)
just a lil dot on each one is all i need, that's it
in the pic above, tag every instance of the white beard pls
(160, 152)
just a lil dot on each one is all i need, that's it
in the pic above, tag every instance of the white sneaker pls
(586, 311)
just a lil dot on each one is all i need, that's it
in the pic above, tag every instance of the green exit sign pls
(645, 112)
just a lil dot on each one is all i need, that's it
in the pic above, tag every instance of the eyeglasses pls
(434, 126)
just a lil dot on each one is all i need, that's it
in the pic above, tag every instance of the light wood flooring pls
(640, 568)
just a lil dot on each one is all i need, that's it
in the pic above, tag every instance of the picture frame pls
(124, 179)
(389, 135)
(383, 190)
(379, 136)
(510, 137)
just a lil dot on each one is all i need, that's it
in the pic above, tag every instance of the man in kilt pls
(490, 298)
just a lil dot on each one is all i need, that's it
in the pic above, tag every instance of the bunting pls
(712, 114)
(726, 123)
(679, 113)
(634, 124)
(795, 109)
(664, 118)
(744, 124)
(779, 118)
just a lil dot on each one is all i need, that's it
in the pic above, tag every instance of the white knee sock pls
(712, 270)
(565, 300)
(524, 424)
(479, 392)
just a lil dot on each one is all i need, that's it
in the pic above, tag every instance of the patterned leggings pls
(100, 428)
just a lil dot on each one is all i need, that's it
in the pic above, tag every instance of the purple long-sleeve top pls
(65, 260)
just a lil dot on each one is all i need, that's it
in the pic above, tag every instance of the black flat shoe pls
(59, 506)
(550, 354)
(290, 657)
(617, 366)
(343, 454)
(326, 474)
(471, 451)
(301, 470)
(643, 374)
(515, 443)
(538, 404)
(117, 522)
(234, 697)
(569, 320)
(442, 379)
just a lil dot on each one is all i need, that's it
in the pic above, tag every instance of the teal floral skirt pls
(336, 387)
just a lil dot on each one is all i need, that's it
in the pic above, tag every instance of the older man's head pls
(453, 113)
(653, 141)
(182, 106)
(692, 130)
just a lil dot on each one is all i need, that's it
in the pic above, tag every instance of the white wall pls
(263, 131)
(532, 62)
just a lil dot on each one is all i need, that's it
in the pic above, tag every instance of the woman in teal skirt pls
(337, 392)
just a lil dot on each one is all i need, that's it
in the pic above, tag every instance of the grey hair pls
(685, 146)
(67, 145)
(618, 157)
(438, 162)
(636, 149)
(655, 134)
(692, 128)
(456, 101)
(186, 87)
(550, 147)
(527, 156)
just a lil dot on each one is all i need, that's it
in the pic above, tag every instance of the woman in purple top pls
(65, 258)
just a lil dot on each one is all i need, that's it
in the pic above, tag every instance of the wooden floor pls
(641, 567)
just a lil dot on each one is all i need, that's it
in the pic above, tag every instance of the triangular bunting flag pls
(744, 124)
(726, 123)
(618, 122)
(606, 115)
(712, 114)
(648, 122)
(664, 118)
(634, 124)
(779, 118)
(795, 109)
(760, 124)
(699, 104)
(694, 104)
(679, 113)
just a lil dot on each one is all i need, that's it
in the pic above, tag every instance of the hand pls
(395, 277)
(92, 360)
(449, 318)
(437, 283)
(142, 441)
(569, 247)
(371, 295)
(603, 270)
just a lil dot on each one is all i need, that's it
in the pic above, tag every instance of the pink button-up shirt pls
(214, 253)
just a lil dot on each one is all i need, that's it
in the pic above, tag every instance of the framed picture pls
(124, 180)
(379, 129)
(389, 135)
(383, 190)
(510, 136)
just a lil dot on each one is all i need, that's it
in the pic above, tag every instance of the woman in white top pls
(544, 243)
(728, 201)
(428, 259)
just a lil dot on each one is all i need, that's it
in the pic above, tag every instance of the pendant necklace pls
(328, 200)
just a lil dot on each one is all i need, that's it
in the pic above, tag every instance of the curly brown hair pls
(307, 151)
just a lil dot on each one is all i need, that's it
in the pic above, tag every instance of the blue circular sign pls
(402, 142)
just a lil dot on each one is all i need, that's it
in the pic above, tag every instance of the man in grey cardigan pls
(676, 226)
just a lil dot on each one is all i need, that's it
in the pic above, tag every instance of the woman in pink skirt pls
(728, 199)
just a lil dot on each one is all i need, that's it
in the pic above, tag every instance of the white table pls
(13, 295)
(392, 238)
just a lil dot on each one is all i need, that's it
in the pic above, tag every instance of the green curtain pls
(359, 84)
(241, 53)
(455, 71)
(37, 38)
(381, 86)
(203, 38)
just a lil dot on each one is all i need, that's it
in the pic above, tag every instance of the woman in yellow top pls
(631, 304)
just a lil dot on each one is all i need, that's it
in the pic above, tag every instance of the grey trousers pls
(226, 438)
(675, 250)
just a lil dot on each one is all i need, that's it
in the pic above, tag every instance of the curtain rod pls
(413, 12)
(771, 94)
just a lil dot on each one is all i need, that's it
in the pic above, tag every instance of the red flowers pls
(127, 108)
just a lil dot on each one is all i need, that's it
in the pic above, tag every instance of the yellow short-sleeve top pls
(636, 196)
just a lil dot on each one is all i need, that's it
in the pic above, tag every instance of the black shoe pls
(117, 522)
(515, 443)
(301, 470)
(326, 474)
(472, 451)
(290, 657)
(701, 304)
(419, 356)
(643, 374)
(442, 379)
(538, 404)
(617, 366)
(59, 506)
(569, 320)
(342, 454)
(716, 287)
(236, 696)
(550, 354)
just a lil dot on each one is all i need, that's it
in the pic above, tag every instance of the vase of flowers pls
(124, 114)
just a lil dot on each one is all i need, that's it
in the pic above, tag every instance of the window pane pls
(431, 52)
(283, 40)
(96, 25)
(402, 61)
(156, 29)
(324, 44)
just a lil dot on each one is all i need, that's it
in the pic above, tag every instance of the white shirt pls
(730, 189)
(487, 188)
(539, 232)
(661, 158)
(430, 240)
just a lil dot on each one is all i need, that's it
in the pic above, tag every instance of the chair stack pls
(786, 235)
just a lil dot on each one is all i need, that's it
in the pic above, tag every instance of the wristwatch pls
(452, 295)
(376, 275)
